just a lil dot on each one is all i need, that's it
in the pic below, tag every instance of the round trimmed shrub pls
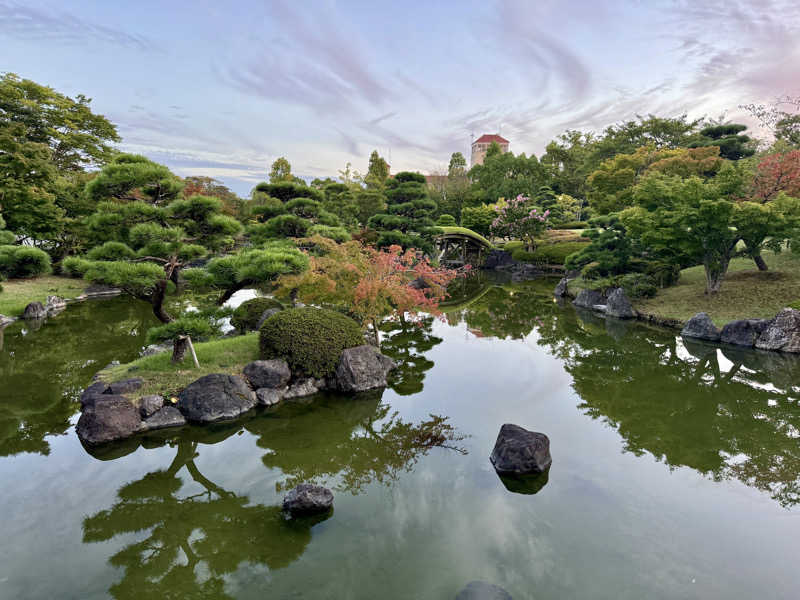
(23, 261)
(247, 314)
(111, 251)
(446, 220)
(75, 266)
(311, 340)
(638, 285)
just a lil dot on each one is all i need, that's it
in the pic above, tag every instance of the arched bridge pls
(460, 246)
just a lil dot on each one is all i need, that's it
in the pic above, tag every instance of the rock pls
(216, 397)
(782, 333)
(744, 332)
(362, 368)
(90, 394)
(34, 310)
(304, 387)
(266, 315)
(167, 416)
(107, 419)
(497, 259)
(150, 405)
(701, 327)
(54, 305)
(97, 290)
(4, 320)
(518, 451)
(155, 349)
(273, 373)
(126, 386)
(419, 284)
(561, 288)
(480, 590)
(618, 305)
(270, 396)
(588, 299)
(307, 499)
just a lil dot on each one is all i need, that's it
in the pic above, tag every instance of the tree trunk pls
(375, 334)
(157, 300)
(762, 266)
(179, 347)
(715, 273)
(227, 294)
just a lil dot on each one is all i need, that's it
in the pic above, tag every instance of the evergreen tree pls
(733, 145)
(408, 221)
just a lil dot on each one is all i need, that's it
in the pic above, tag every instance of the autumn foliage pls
(778, 172)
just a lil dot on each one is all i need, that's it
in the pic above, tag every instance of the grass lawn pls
(18, 293)
(227, 355)
(746, 291)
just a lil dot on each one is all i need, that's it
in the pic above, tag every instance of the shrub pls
(638, 285)
(337, 234)
(663, 273)
(23, 261)
(74, 266)
(110, 251)
(311, 340)
(478, 218)
(194, 325)
(246, 316)
(7, 238)
(545, 254)
(446, 221)
(278, 227)
(303, 207)
(572, 225)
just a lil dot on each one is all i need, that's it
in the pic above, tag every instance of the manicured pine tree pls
(408, 219)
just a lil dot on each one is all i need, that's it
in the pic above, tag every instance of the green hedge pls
(311, 340)
(247, 314)
(23, 261)
(571, 225)
(545, 254)
(74, 266)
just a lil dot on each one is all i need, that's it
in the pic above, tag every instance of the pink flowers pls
(517, 218)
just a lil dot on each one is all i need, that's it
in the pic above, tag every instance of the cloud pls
(24, 22)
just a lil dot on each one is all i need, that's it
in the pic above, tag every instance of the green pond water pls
(676, 468)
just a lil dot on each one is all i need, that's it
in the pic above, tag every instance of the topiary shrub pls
(23, 261)
(246, 316)
(311, 340)
(337, 234)
(638, 285)
(74, 266)
(446, 220)
(111, 251)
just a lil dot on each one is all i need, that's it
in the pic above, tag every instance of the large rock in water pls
(618, 305)
(782, 333)
(216, 397)
(561, 288)
(701, 327)
(168, 416)
(518, 451)
(362, 368)
(126, 386)
(480, 590)
(589, 299)
(34, 310)
(273, 373)
(107, 419)
(90, 394)
(307, 499)
(743, 333)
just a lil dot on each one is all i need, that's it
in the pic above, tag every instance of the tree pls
(377, 172)
(457, 166)
(131, 177)
(503, 175)
(408, 221)
(777, 172)
(479, 218)
(609, 252)
(732, 144)
(519, 218)
(280, 171)
(782, 118)
(76, 137)
(198, 185)
(289, 190)
(369, 203)
(340, 201)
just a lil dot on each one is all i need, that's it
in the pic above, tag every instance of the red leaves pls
(778, 172)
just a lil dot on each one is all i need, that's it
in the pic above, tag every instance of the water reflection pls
(407, 342)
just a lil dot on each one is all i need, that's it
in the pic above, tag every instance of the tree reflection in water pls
(407, 342)
(727, 412)
(193, 541)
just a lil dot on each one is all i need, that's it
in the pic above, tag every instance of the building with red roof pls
(481, 145)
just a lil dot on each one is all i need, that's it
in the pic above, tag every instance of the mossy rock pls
(247, 314)
(311, 340)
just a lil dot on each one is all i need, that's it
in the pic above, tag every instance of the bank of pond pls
(675, 467)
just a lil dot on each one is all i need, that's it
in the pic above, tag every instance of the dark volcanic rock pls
(362, 368)
(34, 310)
(149, 405)
(743, 333)
(168, 416)
(307, 499)
(480, 590)
(618, 305)
(216, 397)
(270, 396)
(497, 259)
(90, 394)
(518, 451)
(561, 288)
(782, 333)
(701, 327)
(108, 419)
(589, 299)
(126, 386)
(273, 373)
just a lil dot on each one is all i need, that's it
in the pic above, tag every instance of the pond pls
(676, 468)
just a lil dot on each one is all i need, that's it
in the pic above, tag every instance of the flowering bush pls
(518, 218)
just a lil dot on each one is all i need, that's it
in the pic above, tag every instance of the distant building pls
(481, 145)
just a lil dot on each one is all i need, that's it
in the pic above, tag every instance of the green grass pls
(554, 250)
(18, 293)
(452, 229)
(746, 292)
(161, 376)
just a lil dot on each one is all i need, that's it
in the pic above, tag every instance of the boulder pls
(497, 259)
(782, 333)
(304, 387)
(126, 386)
(744, 332)
(561, 288)
(34, 310)
(518, 451)
(588, 299)
(618, 305)
(107, 419)
(167, 416)
(307, 499)
(149, 405)
(273, 373)
(480, 590)
(270, 396)
(362, 368)
(4, 320)
(216, 397)
(266, 315)
(90, 394)
(153, 349)
(54, 305)
(701, 327)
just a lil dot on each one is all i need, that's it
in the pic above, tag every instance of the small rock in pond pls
(108, 419)
(518, 451)
(744, 332)
(304, 387)
(561, 288)
(270, 396)
(273, 373)
(480, 590)
(34, 310)
(126, 386)
(216, 397)
(701, 327)
(307, 499)
(362, 368)
(149, 405)
(168, 416)
(782, 333)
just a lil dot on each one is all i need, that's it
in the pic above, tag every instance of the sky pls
(223, 89)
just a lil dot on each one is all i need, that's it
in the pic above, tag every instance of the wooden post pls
(191, 350)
